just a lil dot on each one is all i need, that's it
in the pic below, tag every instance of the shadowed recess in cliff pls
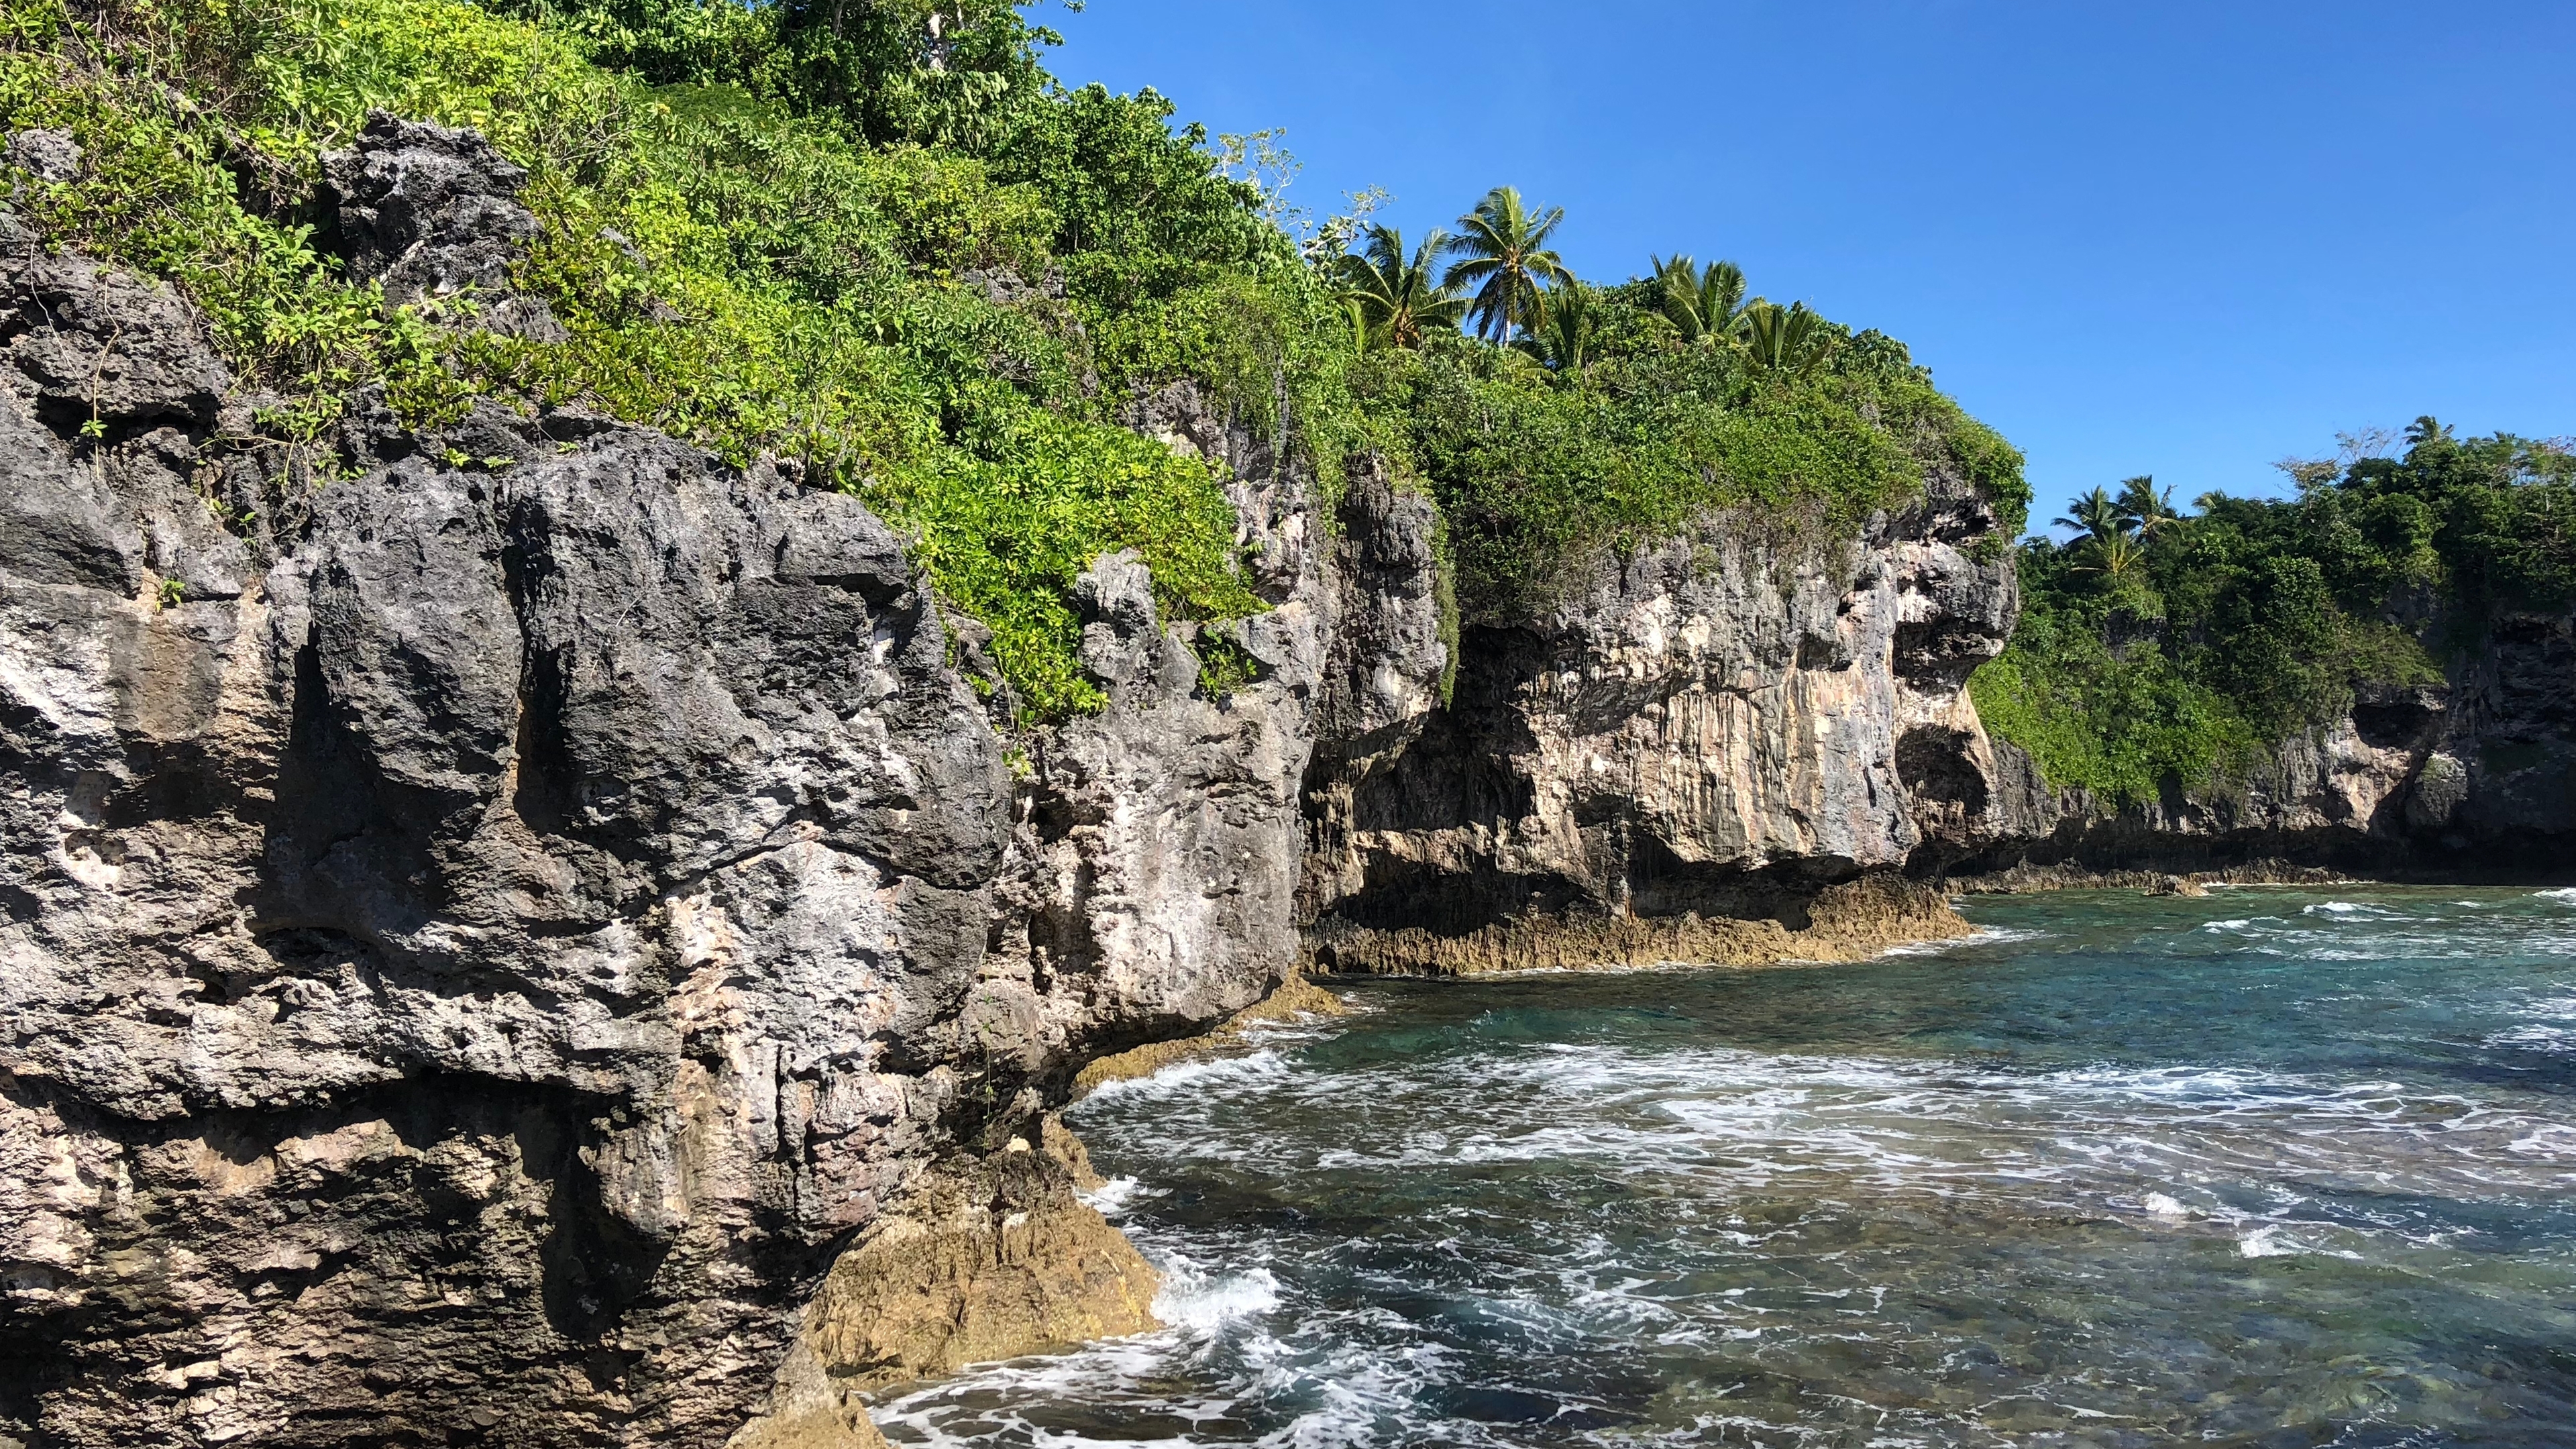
(1702, 729)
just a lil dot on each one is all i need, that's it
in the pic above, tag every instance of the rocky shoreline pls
(1850, 922)
(575, 946)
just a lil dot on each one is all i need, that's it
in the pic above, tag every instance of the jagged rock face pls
(1148, 892)
(1385, 677)
(430, 211)
(1708, 726)
(480, 968)
(2501, 778)
(1157, 846)
(480, 946)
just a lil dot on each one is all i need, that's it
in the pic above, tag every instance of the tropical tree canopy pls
(2096, 515)
(1707, 305)
(1568, 322)
(2145, 507)
(1398, 298)
(1786, 341)
(1505, 260)
(2118, 556)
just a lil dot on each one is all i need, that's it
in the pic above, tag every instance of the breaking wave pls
(2009, 1202)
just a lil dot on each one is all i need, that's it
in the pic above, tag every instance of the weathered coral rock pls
(1708, 729)
(1852, 921)
(1296, 1000)
(1001, 1259)
(1386, 676)
(476, 954)
(997, 1258)
(433, 212)
(484, 966)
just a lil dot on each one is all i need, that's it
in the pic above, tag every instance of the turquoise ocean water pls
(2276, 1168)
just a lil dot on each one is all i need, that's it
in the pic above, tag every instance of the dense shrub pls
(737, 277)
(2256, 620)
(895, 251)
(1534, 470)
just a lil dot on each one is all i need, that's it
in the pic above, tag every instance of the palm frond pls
(1562, 340)
(1397, 296)
(1504, 258)
(2096, 515)
(1786, 341)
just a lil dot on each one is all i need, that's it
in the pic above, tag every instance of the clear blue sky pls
(2166, 236)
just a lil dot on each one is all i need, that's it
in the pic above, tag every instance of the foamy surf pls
(1112, 1198)
(1631, 1208)
(1984, 936)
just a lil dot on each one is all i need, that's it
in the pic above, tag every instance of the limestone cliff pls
(1712, 728)
(483, 941)
(567, 947)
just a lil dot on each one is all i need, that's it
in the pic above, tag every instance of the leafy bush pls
(880, 241)
(1532, 472)
(741, 279)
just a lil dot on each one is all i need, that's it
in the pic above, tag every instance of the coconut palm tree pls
(1398, 300)
(2114, 557)
(1356, 316)
(1708, 306)
(1563, 337)
(1505, 259)
(2096, 515)
(1786, 341)
(2145, 507)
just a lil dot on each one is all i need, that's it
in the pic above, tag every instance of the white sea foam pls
(2536, 1037)
(1268, 1065)
(2159, 1205)
(2351, 910)
(1983, 936)
(2266, 1243)
(1114, 1197)
(1193, 1297)
(2273, 1241)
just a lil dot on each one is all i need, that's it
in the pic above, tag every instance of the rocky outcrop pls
(2476, 776)
(477, 970)
(1851, 921)
(1389, 671)
(433, 213)
(558, 950)
(1156, 845)
(991, 1263)
(483, 942)
(1711, 730)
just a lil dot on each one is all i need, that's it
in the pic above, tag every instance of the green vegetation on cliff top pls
(880, 240)
(2159, 651)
